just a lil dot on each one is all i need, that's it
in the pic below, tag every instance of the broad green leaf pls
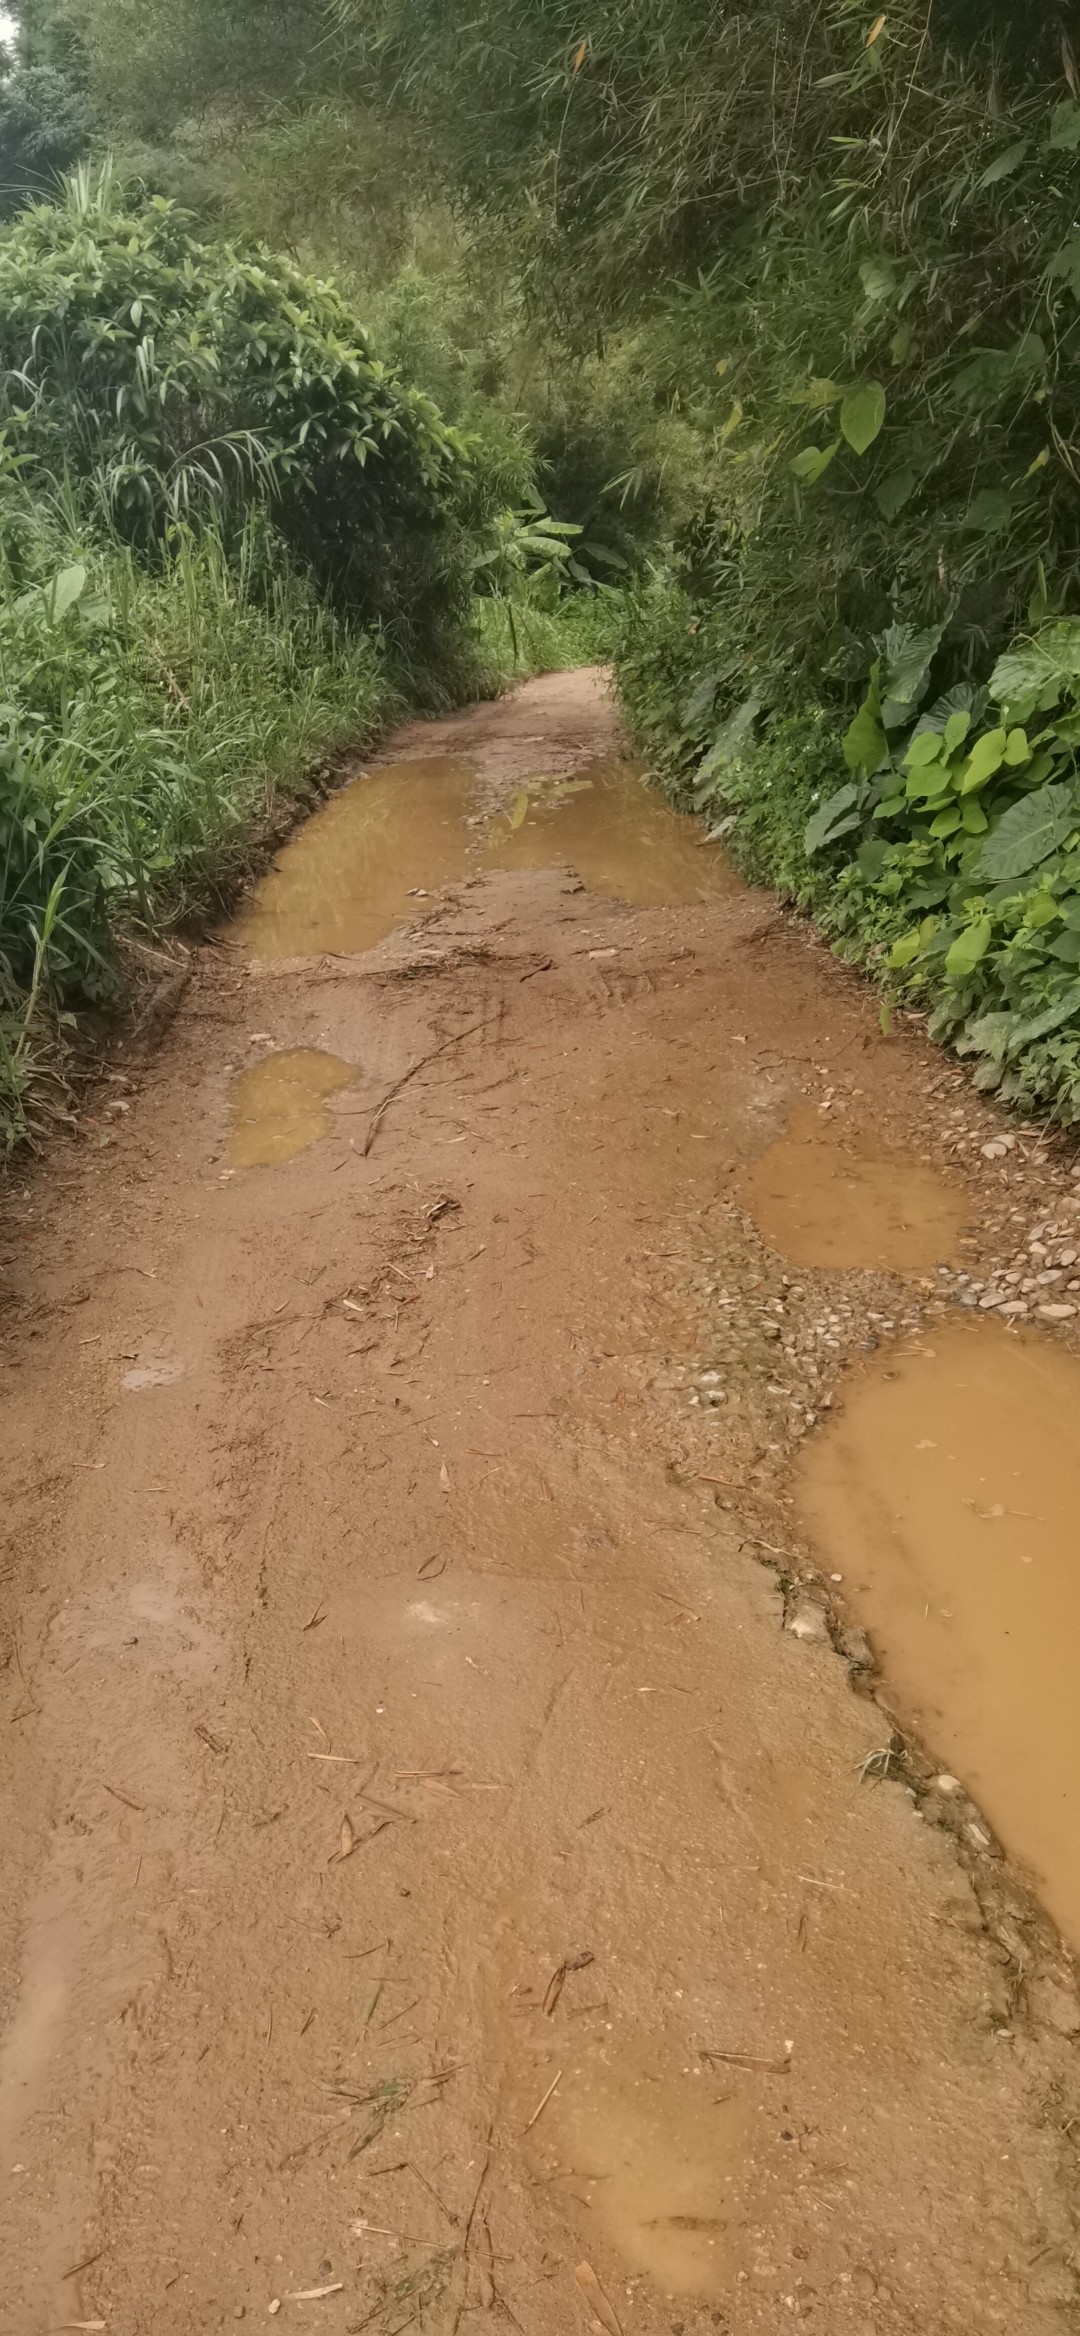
(967, 949)
(1017, 750)
(813, 460)
(904, 951)
(835, 817)
(986, 757)
(1064, 132)
(1028, 833)
(990, 1034)
(1051, 1018)
(924, 749)
(65, 590)
(910, 656)
(956, 730)
(1065, 264)
(878, 279)
(973, 817)
(862, 414)
(895, 490)
(1004, 163)
(946, 822)
(865, 743)
(1053, 657)
(989, 512)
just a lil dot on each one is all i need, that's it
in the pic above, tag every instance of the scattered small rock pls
(858, 1650)
(807, 1621)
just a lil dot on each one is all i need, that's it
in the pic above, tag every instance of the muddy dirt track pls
(444, 1845)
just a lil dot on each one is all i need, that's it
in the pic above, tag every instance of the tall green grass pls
(151, 723)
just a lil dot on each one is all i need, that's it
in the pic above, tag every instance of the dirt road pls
(431, 1865)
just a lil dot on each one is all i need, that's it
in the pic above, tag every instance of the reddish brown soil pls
(418, 1550)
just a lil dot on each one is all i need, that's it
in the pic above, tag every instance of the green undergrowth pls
(152, 726)
(934, 837)
(580, 628)
(232, 540)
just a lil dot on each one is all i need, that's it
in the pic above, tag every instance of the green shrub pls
(175, 378)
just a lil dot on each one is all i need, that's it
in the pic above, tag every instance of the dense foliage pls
(778, 308)
(230, 538)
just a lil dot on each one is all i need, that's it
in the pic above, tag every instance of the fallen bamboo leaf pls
(431, 1569)
(307, 2295)
(385, 1808)
(557, 1980)
(444, 1477)
(542, 2105)
(592, 2290)
(117, 1795)
(769, 2067)
(318, 1616)
(81, 2323)
(347, 1843)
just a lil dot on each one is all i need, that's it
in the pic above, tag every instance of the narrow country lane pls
(457, 1868)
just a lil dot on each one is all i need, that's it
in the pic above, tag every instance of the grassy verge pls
(153, 722)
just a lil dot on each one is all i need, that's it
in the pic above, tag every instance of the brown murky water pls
(372, 857)
(824, 1195)
(280, 1107)
(947, 1492)
(364, 863)
(661, 2160)
(616, 831)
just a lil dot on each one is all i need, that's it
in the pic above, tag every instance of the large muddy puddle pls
(617, 833)
(947, 1493)
(365, 862)
(380, 850)
(827, 1196)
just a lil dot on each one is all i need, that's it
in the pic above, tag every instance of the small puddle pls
(947, 1493)
(280, 1106)
(660, 2161)
(618, 834)
(824, 1198)
(371, 858)
(358, 867)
